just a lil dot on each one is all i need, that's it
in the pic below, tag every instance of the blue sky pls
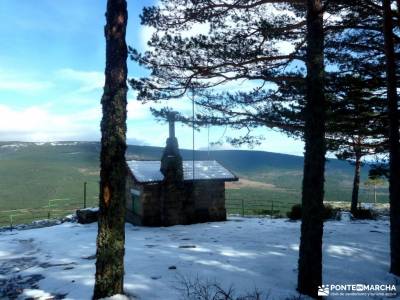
(51, 76)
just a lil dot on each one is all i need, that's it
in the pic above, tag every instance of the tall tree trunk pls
(111, 231)
(394, 147)
(356, 184)
(310, 254)
(398, 11)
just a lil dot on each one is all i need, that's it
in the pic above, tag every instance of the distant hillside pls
(241, 160)
(33, 173)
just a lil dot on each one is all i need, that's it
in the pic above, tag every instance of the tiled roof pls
(149, 171)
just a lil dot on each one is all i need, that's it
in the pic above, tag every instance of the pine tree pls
(310, 252)
(394, 146)
(111, 231)
(243, 44)
(355, 44)
(356, 123)
(371, 39)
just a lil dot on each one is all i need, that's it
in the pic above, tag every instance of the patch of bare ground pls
(346, 205)
(135, 157)
(88, 171)
(246, 183)
(381, 208)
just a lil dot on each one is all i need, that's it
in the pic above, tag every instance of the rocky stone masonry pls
(172, 188)
(204, 201)
(175, 201)
(87, 215)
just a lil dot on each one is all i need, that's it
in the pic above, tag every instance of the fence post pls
(242, 208)
(11, 222)
(84, 194)
(48, 211)
(272, 208)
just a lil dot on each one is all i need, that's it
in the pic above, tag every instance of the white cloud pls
(146, 33)
(23, 82)
(285, 48)
(197, 29)
(10, 81)
(89, 80)
(40, 124)
(213, 147)
(37, 123)
(24, 86)
(138, 110)
(136, 141)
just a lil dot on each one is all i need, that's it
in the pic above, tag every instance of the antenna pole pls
(193, 131)
(208, 141)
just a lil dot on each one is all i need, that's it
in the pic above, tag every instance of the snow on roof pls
(149, 171)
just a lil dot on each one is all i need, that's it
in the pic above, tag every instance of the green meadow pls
(42, 180)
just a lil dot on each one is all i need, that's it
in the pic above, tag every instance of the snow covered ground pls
(245, 253)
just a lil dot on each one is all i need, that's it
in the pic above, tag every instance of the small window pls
(135, 194)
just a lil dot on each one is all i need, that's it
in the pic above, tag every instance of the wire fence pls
(235, 204)
(58, 208)
(271, 207)
(54, 209)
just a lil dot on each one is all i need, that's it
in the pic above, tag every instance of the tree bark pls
(398, 11)
(310, 253)
(111, 230)
(356, 184)
(394, 147)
